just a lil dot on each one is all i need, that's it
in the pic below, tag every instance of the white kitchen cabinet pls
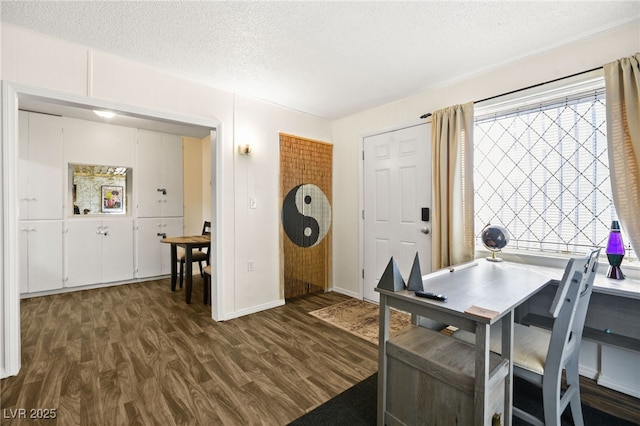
(61, 250)
(40, 167)
(40, 256)
(154, 257)
(88, 142)
(158, 175)
(98, 251)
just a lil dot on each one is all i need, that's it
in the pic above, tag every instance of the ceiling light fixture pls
(105, 114)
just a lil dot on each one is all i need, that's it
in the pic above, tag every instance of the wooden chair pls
(540, 357)
(197, 255)
(207, 283)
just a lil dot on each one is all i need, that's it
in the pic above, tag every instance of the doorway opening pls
(15, 97)
(305, 202)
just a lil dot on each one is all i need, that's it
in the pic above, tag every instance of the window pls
(542, 170)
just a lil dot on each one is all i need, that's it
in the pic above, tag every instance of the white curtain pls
(453, 217)
(622, 81)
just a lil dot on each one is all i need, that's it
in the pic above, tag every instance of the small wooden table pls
(480, 293)
(188, 243)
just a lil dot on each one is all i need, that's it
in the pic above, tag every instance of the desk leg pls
(507, 351)
(189, 274)
(383, 337)
(481, 396)
(174, 268)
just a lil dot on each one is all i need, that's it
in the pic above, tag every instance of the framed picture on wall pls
(112, 199)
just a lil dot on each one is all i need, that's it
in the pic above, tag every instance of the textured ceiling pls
(328, 59)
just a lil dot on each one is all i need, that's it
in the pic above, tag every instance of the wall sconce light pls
(244, 149)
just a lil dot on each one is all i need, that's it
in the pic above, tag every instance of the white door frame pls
(9, 253)
(361, 198)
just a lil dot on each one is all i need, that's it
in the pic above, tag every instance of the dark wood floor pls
(138, 355)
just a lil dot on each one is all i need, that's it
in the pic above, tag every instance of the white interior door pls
(397, 186)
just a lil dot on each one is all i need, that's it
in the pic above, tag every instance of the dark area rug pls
(354, 407)
(357, 407)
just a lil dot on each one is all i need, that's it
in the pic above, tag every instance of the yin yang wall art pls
(306, 215)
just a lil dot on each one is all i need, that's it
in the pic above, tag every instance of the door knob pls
(425, 230)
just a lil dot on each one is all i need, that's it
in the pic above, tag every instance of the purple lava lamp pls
(615, 252)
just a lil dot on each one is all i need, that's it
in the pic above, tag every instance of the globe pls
(494, 238)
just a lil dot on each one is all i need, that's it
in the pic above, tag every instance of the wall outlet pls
(252, 202)
(250, 265)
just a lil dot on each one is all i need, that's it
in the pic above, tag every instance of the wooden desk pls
(613, 317)
(497, 287)
(610, 351)
(188, 243)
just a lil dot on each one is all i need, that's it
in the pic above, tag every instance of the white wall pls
(257, 175)
(347, 132)
(207, 189)
(192, 150)
(40, 61)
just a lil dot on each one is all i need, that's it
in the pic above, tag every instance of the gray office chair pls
(540, 357)
(198, 255)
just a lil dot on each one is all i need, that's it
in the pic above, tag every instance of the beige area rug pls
(360, 318)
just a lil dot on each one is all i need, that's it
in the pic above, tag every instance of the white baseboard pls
(627, 388)
(588, 372)
(252, 310)
(346, 292)
(91, 286)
